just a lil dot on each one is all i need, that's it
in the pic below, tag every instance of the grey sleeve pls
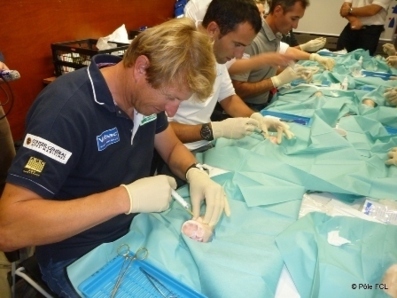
(243, 77)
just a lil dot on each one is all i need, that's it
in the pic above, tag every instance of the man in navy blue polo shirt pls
(82, 172)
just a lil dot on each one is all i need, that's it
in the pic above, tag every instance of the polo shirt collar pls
(268, 32)
(101, 92)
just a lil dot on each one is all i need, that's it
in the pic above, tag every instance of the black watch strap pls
(197, 166)
(206, 132)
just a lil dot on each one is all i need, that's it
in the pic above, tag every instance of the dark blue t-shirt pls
(78, 143)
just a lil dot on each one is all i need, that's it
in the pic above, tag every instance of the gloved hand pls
(146, 198)
(392, 157)
(234, 128)
(389, 49)
(272, 123)
(391, 95)
(392, 61)
(328, 63)
(284, 77)
(313, 45)
(202, 187)
(305, 72)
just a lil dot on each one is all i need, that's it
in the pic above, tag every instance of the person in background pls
(281, 58)
(289, 38)
(7, 149)
(230, 36)
(366, 23)
(196, 9)
(255, 86)
(82, 172)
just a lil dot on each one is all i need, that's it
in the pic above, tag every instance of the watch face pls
(206, 132)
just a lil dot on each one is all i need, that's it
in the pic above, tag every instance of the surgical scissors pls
(124, 251)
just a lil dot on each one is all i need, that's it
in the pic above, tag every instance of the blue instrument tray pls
(383, 75)
(288, 117)
(140, 280)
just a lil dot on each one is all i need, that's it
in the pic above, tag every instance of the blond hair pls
(179, 55)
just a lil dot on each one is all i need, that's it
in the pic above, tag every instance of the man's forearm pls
(180, 160)
(236, 107)
(187, 133)
(298, 54)
(244, 89)
(365, 11)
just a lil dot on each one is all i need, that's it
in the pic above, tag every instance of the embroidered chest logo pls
(34, 166)
(148, 119)
(107, 138)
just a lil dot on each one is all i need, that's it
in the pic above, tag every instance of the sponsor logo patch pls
(34, 166)
(47, 148)
(107, 138)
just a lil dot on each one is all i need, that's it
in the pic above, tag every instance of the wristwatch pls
(206, 132)
(197, 166)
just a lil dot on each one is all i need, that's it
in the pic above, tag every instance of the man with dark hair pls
(232, 25)
(254, 86)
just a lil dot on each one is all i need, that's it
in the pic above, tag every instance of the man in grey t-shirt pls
(254, 86)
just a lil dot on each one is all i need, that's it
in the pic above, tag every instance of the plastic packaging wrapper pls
(119, 35)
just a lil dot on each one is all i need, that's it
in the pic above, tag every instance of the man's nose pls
(295, 25)
(172, 107)
(238, 53)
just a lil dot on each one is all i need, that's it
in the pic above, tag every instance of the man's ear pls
(278, 10)
(141, 64)
(213, 29)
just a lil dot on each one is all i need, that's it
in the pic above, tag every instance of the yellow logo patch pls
(34, 166)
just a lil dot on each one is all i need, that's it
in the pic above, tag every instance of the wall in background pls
(28, 27)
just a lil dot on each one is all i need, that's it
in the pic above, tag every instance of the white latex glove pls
(234, 128)
(284, 77)
(272, 123)
(392, 155)
(391, 95)
(389, 49)
(305, 73)
(313, 45)
(203, 188)
(392, 61)
(151, 194)
(327, 62)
